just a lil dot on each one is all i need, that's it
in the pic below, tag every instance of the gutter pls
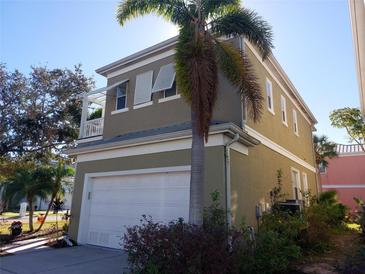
(227, 173)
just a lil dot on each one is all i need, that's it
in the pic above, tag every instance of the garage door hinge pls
(89, 196)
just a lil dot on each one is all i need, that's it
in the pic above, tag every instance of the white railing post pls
(84, 113)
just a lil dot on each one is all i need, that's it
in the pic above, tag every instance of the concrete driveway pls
(79, 259)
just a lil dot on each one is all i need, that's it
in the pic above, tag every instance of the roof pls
(349, 149)
(172, 41)
(181, 130)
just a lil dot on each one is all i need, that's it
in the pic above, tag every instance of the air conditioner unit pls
(293, 206)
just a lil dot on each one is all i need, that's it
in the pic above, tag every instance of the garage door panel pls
(120, 201)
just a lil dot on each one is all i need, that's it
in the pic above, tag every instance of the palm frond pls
(198, 73)
(238, 69)
(248, 23)
(173, 10)
(214, 7)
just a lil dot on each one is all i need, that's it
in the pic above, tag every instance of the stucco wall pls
(214, 173)
(271, 125)
(345, 171)
(254, 175)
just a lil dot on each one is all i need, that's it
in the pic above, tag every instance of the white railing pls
(93, 127)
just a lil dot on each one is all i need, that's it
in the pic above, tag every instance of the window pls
(295, 177)
(283, 110)
(165, 79)
(322, 168)
(305, 188)
(122, 96)
(171, 91)
(270, 99)
(295, 122)
(142, 93)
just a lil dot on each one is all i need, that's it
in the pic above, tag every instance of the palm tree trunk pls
(196, 204)
(48, 209)
(30, 204)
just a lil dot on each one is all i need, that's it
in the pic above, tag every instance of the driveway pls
(79, 259)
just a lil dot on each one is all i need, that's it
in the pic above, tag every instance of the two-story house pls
(135, 159)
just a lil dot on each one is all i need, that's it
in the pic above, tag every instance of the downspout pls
(227, 173)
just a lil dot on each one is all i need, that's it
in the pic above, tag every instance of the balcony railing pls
(93, 128)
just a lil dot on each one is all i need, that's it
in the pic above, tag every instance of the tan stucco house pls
(136, 159)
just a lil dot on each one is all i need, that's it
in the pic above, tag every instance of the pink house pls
(346, 174)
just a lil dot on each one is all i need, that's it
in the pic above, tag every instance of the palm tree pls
(324, 150)
(60, 172)
(29, 183)
(199, 52)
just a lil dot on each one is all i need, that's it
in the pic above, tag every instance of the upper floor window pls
(122, 96)
(284, 117)
(269, 95)
(171, 91)
(165, 80)
(295, 122)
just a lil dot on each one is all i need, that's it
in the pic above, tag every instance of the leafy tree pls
(60, 173)
(324, 150)
(29, 183)
(199, 52)
(352, 120)
(40, 113)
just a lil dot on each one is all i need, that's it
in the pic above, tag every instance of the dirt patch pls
(346, 256)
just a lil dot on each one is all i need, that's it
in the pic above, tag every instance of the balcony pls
(92, 117)
(93, 127)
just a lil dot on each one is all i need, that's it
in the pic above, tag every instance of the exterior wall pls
(254, 175)
(345, 172)
(227, 108)
(214, 173)
(271, 125)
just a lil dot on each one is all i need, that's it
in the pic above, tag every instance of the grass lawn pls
(13, 214)
(4, 226)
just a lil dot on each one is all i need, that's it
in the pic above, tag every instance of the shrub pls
(360, 213)
(179, 247)
(16, 228)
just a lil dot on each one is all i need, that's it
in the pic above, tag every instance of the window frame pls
(283, 110)
(305, 187)
(269, 96)
(298, 183)
(295, 122)
(125, 95)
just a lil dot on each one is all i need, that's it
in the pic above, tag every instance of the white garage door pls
(120, 201)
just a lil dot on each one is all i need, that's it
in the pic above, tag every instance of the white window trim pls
(305, 188)
(116, 98)
(170, 98)
(300, 196)
(295, 122)
(283, 108)
(143, 105)
(119, 111)
(271, 110)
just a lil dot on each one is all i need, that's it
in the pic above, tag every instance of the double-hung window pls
(122, 96)
(295, 122)
(284, 117)
(269, 96)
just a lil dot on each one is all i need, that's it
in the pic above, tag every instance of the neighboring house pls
(357, 15)
(346, 174)
(135, 160)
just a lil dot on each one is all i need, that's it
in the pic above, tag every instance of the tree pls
(60, 173)
(40, 114)
(199, 52)
(352, 120)
(29, 183)
(324, 150)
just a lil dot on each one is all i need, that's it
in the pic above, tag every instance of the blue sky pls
(312, 40)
